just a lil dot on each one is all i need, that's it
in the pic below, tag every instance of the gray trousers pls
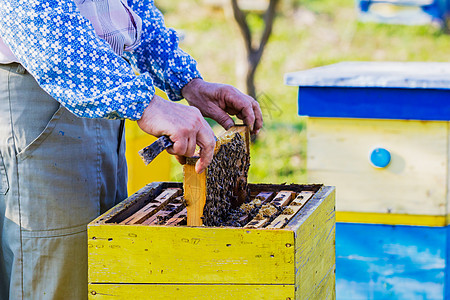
(57, 173)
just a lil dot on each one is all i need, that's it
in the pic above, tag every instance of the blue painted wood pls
(391, 262)
(414, 75)
(374, 103)
(430, 11)
(380, 90)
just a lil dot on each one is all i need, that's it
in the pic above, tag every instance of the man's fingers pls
(180, 145)
(185, 145)
(258, 117)
(190, 149)
(216, 100)
(207, 143)
(251, 115)
(248, 116)
(223, 119)
(171, 150)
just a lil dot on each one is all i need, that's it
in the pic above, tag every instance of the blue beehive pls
(409, 12)
(380, 133)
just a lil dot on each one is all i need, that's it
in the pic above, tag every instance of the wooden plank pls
(172, 208)
(243, 220)
(201, 255)
(177, 218)
(257, 223)
(390, 219)
(315, 259)
(262, 218)
(195, 194)
(190, 291)
(281, 199)
(326, 289)
(414, 183)
(302, 198)
(263, 198)
(255, 189)
(290, 211)
(133, 203)
(154, 206)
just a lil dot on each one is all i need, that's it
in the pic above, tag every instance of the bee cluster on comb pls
(226, 183)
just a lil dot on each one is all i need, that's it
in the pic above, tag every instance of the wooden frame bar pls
(153, 207)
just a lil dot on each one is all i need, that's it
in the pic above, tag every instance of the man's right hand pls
(184, 125)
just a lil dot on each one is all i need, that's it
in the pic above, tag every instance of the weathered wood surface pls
(257, 223)
(191, 291)
(138, 201)
(263, 198)
(172, 208)
(414, 183)
(202, 255)
(178, 218)
(295, 262)
(195, 194)
(135, 202)
(153, 207)
(290, 211)
(315, 246)
(390, 219)
(281, 199)
(256, 188)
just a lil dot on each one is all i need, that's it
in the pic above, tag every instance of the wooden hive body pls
(356, 110)
(179, 262)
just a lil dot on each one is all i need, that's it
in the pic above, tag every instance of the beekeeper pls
(67, 82)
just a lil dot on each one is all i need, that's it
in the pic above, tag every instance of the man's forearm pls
(158, 54)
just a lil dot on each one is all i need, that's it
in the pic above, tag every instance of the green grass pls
(307, 34)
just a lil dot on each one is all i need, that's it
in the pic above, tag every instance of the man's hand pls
(216, 101)
(184, 125)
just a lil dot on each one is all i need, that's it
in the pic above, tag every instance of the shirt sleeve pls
(158, 53)
(59, 47)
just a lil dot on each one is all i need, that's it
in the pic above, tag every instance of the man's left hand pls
(216, 101)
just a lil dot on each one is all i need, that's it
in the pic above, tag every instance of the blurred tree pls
(254, 50)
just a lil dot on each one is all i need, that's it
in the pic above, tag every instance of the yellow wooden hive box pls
(181, 262)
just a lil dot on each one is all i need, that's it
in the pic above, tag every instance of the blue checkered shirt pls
(74, 51)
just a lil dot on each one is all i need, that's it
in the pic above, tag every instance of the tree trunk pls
(254, 53)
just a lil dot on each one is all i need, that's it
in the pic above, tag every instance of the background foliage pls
(307, 34)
